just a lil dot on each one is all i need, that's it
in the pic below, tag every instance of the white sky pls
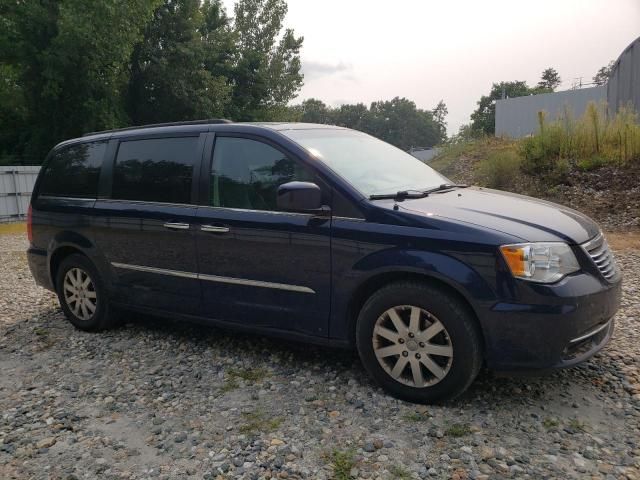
(368, 50)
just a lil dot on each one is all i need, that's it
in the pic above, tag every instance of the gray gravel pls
(162, 399)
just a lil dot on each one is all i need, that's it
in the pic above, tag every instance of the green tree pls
(267, 70)
(602, 75)
(180, 70)
(70, 59)
(549, 80)
(483, 119)
(315, 111)
(356, 116)
(402, 124)
(396, 121)
(440, 117)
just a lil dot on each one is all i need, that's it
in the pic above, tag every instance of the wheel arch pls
(378, 281)
(58, 255)
(67, 243)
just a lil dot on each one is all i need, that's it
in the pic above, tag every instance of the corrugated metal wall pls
(624, 83)
(16, 185)
(518, 117)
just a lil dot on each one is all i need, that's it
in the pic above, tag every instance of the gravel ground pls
(163, 399)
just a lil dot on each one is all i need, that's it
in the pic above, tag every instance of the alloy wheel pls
(80, 293)
(412, 346)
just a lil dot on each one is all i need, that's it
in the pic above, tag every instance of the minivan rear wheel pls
(419, 342)
(82, 294)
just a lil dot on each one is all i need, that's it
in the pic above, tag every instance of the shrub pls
(501, 169)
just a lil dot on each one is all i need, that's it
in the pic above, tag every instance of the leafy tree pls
(70, 61)
(550, 80)
(400, 123)
(602, 75)
(267, 70)
(483, 119)
(179, 71)
(315, 111)
(396, 121)
(439, 116)
(356, 116)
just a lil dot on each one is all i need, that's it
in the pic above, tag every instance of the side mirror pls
(299, 197)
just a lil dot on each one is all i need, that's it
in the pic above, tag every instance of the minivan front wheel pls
(419, 342)
(82, 294)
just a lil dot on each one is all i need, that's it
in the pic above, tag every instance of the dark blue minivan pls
(325, 235)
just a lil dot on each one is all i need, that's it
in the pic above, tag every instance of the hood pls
(528, 218)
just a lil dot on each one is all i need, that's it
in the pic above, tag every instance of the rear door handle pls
(214, 228)
(176, 226)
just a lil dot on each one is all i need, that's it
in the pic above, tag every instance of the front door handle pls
(176, 226)
(214, 228)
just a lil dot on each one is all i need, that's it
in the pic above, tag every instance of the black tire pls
(104, 316)
(460, 336)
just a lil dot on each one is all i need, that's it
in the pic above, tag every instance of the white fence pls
(16, 185)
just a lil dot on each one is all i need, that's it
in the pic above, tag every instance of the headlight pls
(540, 262)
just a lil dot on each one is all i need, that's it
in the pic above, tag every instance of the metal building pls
(623, 87)
(518, 117)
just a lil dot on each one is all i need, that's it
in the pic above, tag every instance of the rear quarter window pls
(73, 171)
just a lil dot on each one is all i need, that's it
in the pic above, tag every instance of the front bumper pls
(559, 325)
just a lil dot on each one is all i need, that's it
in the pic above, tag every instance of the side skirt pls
(233, 326)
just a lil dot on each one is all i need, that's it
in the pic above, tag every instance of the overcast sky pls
(427, 50)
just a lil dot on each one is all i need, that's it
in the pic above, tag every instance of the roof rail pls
(167, 124)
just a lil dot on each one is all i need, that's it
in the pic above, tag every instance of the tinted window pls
(157, 170)
(247, 173)
(74, 171)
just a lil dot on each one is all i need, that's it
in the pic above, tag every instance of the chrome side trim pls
(249, 210)
(256, 283)
(591, 333)
(215, 278)
(160, 271)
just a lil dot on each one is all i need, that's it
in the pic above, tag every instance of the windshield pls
(372, 166)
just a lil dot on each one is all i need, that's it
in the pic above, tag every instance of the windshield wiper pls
(445, 186)
(401, 195)
(404, 194)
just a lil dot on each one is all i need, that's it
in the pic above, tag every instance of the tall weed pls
(587, 142)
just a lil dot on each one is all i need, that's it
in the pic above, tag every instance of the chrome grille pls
(598, 249)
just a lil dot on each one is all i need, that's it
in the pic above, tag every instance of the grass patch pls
(342, 462)
(41, 332)
(500, 169)
(399, 472)
(416, 417)
(229, 385)
(10, 228)
(248, 374)
(458, 430)
(577, 424)
(251, 375)
(258, 422)
(550, 423)
(590, 141)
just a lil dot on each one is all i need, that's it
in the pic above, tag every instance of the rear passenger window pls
(74, 171)
(156, 170)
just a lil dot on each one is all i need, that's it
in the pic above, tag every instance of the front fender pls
(440, 266)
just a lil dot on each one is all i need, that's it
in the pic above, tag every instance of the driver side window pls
(246, 174)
